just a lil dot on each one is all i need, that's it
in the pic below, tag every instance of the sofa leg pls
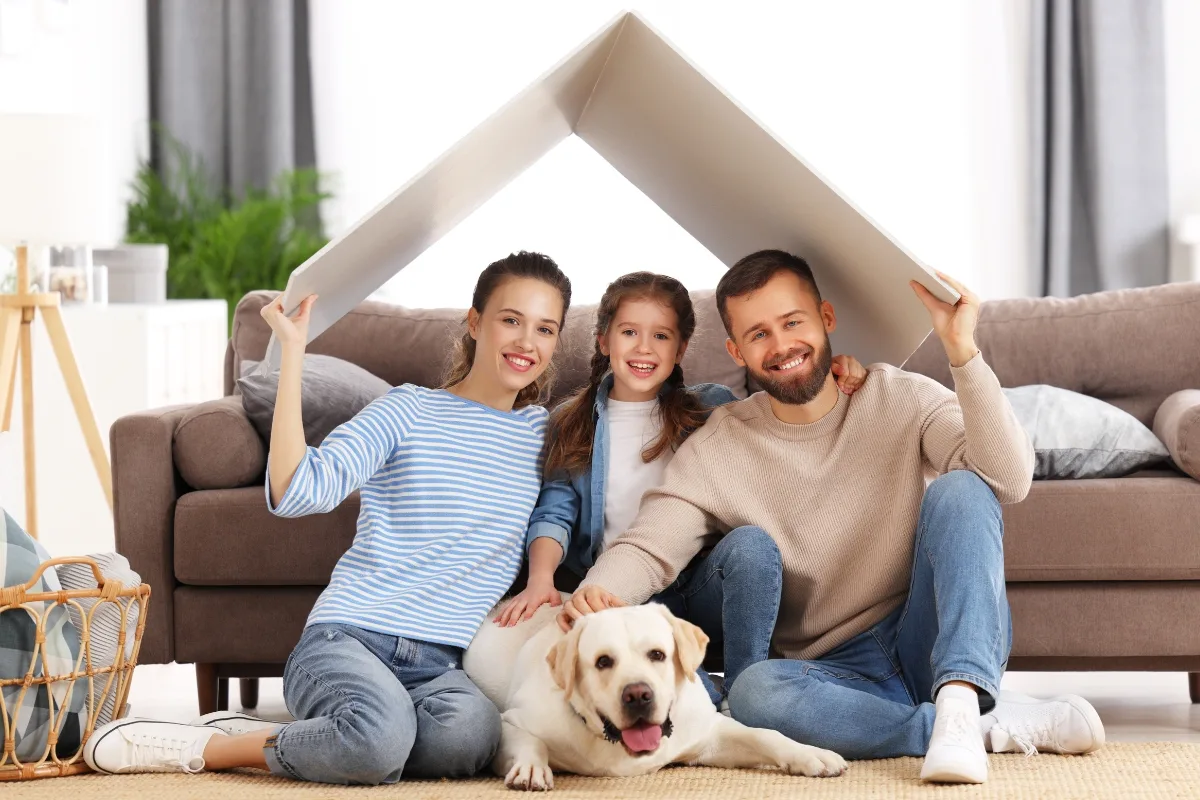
(248, 690)
(1194, 686)
(207, 687)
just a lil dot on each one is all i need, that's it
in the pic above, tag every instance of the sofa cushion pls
(216, 447)
(1177, 423)
(1076, 436)
(379, 337)
(1137, 528)
(265, 550)
(1128, 347)
(1106, 621)
(240, 625)
(331, 392)
(1141, 527)
(382, 338)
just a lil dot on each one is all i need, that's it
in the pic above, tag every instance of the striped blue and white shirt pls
(447, 486)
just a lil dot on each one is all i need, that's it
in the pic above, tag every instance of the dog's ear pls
(690, 643)
(563, 659)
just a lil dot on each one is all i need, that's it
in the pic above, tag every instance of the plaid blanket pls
(20, 556)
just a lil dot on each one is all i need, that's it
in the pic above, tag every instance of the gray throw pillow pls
(331, 392)
(1076, 436)
(104, 623)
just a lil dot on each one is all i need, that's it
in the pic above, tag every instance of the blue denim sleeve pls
(556, 513)
(713, 395)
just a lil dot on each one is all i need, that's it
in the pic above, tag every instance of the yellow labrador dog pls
(616, 696)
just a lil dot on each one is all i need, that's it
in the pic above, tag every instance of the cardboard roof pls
(673, 133)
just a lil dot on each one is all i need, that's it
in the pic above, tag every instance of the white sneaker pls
(955, 753)
(724, 708)
(234, 723)
(142, 745)
(1066, 724)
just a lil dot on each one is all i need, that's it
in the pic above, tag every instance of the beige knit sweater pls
(840, 496)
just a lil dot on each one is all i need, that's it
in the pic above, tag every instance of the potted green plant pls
(221, 246)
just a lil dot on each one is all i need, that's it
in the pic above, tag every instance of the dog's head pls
(622, 668)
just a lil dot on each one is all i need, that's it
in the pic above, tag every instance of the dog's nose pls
(637, 696)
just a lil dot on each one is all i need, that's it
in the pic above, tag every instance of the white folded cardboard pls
(673, 133)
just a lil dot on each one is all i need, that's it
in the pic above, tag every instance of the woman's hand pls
(290, 331)
(848, 373)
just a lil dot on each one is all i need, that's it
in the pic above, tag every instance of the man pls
(894, 625)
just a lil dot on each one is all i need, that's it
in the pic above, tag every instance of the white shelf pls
(132, 357)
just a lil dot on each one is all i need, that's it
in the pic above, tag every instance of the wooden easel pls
(17, 312)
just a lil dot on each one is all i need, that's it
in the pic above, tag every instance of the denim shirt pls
(570, 509)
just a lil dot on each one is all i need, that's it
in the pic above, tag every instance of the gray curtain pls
(231, 80)
(1100, 203)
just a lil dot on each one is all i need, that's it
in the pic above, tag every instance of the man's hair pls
(754, 271)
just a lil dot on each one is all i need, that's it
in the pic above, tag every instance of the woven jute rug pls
(1156, 770)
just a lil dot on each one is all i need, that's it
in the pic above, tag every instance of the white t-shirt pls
(631, 426)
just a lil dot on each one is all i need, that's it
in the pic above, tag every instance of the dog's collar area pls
(613, 734)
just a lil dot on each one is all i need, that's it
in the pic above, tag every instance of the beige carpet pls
(1156, 770)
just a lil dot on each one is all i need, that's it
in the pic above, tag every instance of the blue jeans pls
(739, 583)
(372, 707)
(872, 697)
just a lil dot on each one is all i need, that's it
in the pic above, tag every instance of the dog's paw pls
(530, 778)
(816, 763)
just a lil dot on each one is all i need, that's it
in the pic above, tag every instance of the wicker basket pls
(102, 680)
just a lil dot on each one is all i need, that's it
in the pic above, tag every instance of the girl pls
(612, 441)
(448, 479)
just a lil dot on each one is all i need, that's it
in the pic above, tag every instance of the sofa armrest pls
(145, 488)
(1177, 424)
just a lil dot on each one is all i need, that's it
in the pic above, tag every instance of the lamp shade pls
(53, 187)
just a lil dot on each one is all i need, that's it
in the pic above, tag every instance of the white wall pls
(1183, 121)
(998, 90)
(91, 60)
(877, 95)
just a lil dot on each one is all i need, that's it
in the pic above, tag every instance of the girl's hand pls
(293, 330)
(521, 607)
(848, 373)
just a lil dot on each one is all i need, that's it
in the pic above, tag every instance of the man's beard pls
(801, 390)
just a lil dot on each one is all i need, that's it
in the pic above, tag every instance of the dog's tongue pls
(642, 737)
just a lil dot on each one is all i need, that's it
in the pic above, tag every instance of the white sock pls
(957, 693)
(953, 755)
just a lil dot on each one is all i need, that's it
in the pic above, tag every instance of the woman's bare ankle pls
(230, 752)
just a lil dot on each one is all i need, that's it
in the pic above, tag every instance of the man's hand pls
(954, 324)
(587, 600)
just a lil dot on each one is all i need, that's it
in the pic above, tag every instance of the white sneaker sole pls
(951, 770)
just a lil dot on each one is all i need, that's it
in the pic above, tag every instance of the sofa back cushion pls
(1129, 347)
(415, 345)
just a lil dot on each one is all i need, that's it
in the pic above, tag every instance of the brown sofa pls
(1102, 574)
